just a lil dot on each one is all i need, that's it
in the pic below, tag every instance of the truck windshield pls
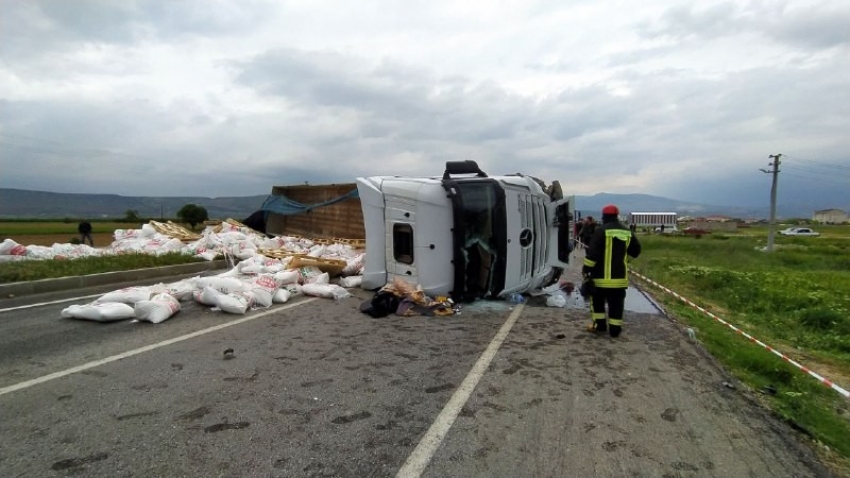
(479, 238)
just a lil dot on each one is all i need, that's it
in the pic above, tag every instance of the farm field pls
(796, 299)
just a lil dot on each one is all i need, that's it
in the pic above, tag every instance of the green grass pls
(28, 270)
(796, 298)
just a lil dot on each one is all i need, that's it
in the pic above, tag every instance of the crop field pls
(796, 299)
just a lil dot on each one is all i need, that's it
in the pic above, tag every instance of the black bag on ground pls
(381, 305)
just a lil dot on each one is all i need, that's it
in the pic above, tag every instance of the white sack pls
(354, 266)
(182, 290)
(328, 291)
(253, 269)
(236, 303)
(281, 296)
(263, 288)
(221, 284)
(307, 274)
(11, 248)
(322, 278)
(294, 289)
(286, 277)
(351, 281)
(105, 312)
(156, 310)
(207, 296)
(128, 295)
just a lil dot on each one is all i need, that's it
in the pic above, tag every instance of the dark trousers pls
(86, 236)
(615, 300)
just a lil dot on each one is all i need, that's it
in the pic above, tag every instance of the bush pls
(821, 318)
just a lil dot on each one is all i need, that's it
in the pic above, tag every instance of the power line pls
(819, 179)
(814, 171)
(820, 164)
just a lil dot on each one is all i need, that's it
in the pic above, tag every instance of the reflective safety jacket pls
(608, 253)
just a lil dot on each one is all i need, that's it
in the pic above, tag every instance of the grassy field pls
(796, 299)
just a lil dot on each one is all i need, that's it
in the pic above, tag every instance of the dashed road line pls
(147, 348)
(39, 304)
(421, 456)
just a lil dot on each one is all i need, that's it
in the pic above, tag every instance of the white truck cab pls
(466, 235)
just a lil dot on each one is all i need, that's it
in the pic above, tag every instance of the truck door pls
(560, 216)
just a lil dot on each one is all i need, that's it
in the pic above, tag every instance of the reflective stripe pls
(611, 283)
(620, 234)
(597, 315)
(615, 321)
(589, 263)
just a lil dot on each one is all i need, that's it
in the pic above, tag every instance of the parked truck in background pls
(465, 234)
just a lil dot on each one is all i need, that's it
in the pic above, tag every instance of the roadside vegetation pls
(796, 299)
(27, 270)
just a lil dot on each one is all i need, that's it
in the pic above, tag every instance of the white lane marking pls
(421, 456)
(147, 348)
(72, 299)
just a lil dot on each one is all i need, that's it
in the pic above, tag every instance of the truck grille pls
(532, 216)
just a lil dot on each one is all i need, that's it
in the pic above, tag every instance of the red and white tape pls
(820, 378)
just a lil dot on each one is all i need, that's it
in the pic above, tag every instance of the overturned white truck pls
(466, 235)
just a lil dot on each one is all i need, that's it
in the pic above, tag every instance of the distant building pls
(718, 218)
(653, 219)
(830, 216)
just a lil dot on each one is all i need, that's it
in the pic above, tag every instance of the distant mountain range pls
(20, 203)
(592, 205)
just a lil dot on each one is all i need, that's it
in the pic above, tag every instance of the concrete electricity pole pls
(775, 172)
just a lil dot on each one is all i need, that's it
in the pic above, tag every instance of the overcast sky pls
(228, 98)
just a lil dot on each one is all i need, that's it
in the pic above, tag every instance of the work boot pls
(597, 326)
(615, 330)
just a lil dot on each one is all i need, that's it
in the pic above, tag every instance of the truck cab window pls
(403, 243)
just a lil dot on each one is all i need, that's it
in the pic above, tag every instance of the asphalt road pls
(315, 388)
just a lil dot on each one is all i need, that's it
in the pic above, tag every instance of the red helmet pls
(610, 209)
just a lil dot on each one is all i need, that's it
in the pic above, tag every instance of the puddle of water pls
(635, 302)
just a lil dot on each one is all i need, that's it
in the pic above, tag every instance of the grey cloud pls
(813, 27)
(684, 21)
(32, 28)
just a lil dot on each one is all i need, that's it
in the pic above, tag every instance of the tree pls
(193, 214)
(131, 215)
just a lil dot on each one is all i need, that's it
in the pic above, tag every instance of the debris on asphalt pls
(264, 270)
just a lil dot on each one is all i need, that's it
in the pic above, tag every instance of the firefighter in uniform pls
(606, 263)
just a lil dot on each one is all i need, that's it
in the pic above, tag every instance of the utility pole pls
(775, 172)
